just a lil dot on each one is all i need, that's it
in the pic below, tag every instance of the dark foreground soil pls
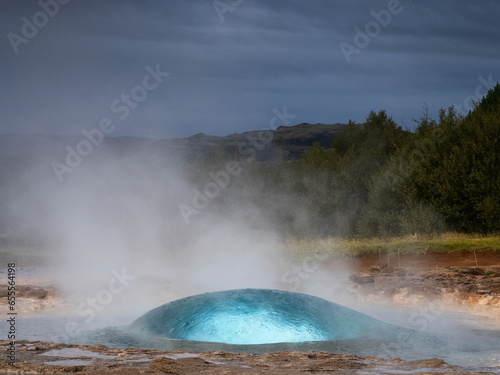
(32, 358)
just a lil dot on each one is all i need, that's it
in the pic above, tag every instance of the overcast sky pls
(232, 62)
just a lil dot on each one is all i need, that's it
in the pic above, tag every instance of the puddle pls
(70, 362)
(216, 362)
(75, 352)
(138, 360)
(181, 355)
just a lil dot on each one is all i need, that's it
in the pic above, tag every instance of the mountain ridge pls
(292, 141)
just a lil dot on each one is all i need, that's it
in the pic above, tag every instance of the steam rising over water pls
(119, 213)
(120, 210)
(459, 340)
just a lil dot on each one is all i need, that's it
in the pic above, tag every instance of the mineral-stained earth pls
(51, 358)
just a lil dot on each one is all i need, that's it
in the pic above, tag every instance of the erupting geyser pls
(256, 316)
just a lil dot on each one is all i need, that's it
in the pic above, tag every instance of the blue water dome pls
(255, 316)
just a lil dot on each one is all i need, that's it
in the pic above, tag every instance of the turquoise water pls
(262, 321)
(257, 316)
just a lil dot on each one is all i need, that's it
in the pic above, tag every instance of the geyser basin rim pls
(256, 316)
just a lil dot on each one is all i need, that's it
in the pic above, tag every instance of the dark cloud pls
(228, 73)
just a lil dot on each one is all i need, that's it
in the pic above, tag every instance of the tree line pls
(379, 180)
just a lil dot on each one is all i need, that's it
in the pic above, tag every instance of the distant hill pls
(27, 161)
(291, 142)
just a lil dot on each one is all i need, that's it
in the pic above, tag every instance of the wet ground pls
(48, 357)
(425, 284)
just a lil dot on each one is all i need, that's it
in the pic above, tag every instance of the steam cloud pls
(118, 212)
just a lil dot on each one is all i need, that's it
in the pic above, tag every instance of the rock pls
(167, 365)
(484, 291)
(428, 363)
(465, 288)
(70, 369)
(387, 269)
(25, 291)
(362, 279)
(472, 271)
(179, 366)
(35, 292)
(495, 301)
(401, 271)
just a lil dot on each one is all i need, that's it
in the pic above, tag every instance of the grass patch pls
(409, 244)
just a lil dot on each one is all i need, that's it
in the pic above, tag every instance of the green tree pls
(461, 177)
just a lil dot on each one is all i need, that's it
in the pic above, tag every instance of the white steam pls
(120, 213)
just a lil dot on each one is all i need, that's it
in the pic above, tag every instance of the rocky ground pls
(465, 289)
(450, 281)
(48, 357)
